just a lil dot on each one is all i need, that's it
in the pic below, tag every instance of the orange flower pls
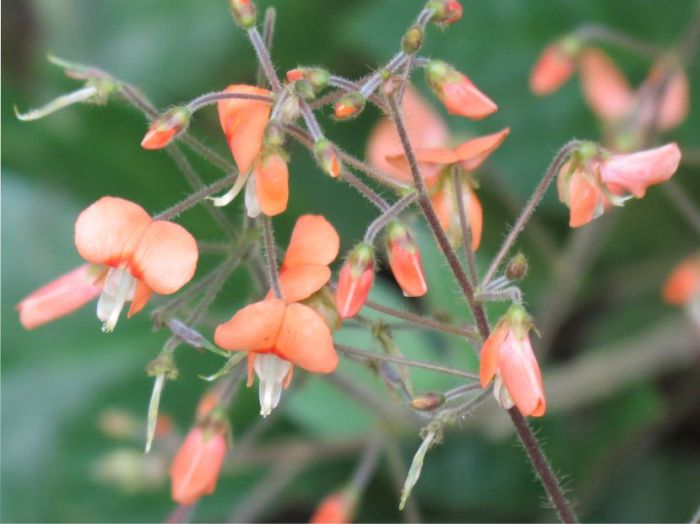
(165, 128)
(244, 122)
(425, 129)
(60, 297)
(405, 260)
(507, 354)
(605, 88)
(457, 92)
(336, 508)
(683, 284)
(355, 280)
(671, 109)
(142, 255)
(281, 333)
(268, 191)
(196, 467)
(593, 181)
(554, 67)
(444, 200)
(635, 172)
(432, 161)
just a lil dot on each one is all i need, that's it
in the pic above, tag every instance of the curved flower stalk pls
(280, 333)
(130, 255)
(593, 180)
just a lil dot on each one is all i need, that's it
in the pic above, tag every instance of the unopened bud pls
(317, 77)
(304, 89)
(349, 105)
(445, 11)
(243, 13)
(428, 401)
(327, 157)
(412, 40)
(166, 127)
(355, 280)
(516, 268)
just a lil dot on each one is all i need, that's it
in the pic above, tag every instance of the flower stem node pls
(327, 157)
(445, 11)
(166, 127)
(163, 364)
(244, 13)
(517, 267)
(428, 401)
(412, 40)
(355, 280)
(349, 106)
(274, 135)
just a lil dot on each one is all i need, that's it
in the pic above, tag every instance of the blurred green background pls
(622, 374)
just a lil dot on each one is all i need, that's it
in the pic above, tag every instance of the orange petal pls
(165, 258)
(430, 162)
(300, 282)
(635, 172)
(425, 129)
(462, 97)
(306, 341)
(475, 215)
(585, 200)
(272, 184)
(313, 241)
(253, 328)
(552, 70)
(605, 88)
(472, 153)
(405, 262)
(244, 122)
(141, 297)
(675, 102)
(353, 290)
(489, 355)
(107, 232)
(196, 467)
(60, 297)
(683, 283)
(521, 375)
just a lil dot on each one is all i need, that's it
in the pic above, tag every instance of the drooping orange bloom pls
(457, 92)
(554, 67)
(336, 508)
(268, 191)
(432, 161)
(60, 297)
(243, 123)
(162, 131)
(196, 467)
(592, 181)
(671, 109)
(141, 255)
(405, 260)
(424, 127)
(507, 355)
(633, 173)
(355, 280)
(279, 333)
(683, 284)
(605, 88)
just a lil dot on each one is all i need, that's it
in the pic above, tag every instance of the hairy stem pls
(559, 160)
(387, 216)
(271, 255)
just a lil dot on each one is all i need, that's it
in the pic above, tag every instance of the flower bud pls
(412, 40)
(555, 65)
(336, 508)
(355, 280)
(196, 467)
(405, 260)
(304, 89)
(445, 11)
(327, 157)
(317, 77)
(428, 401)
(166, 127)
(516, 267)
(349, 105)
(243, 13)
(457, 92)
